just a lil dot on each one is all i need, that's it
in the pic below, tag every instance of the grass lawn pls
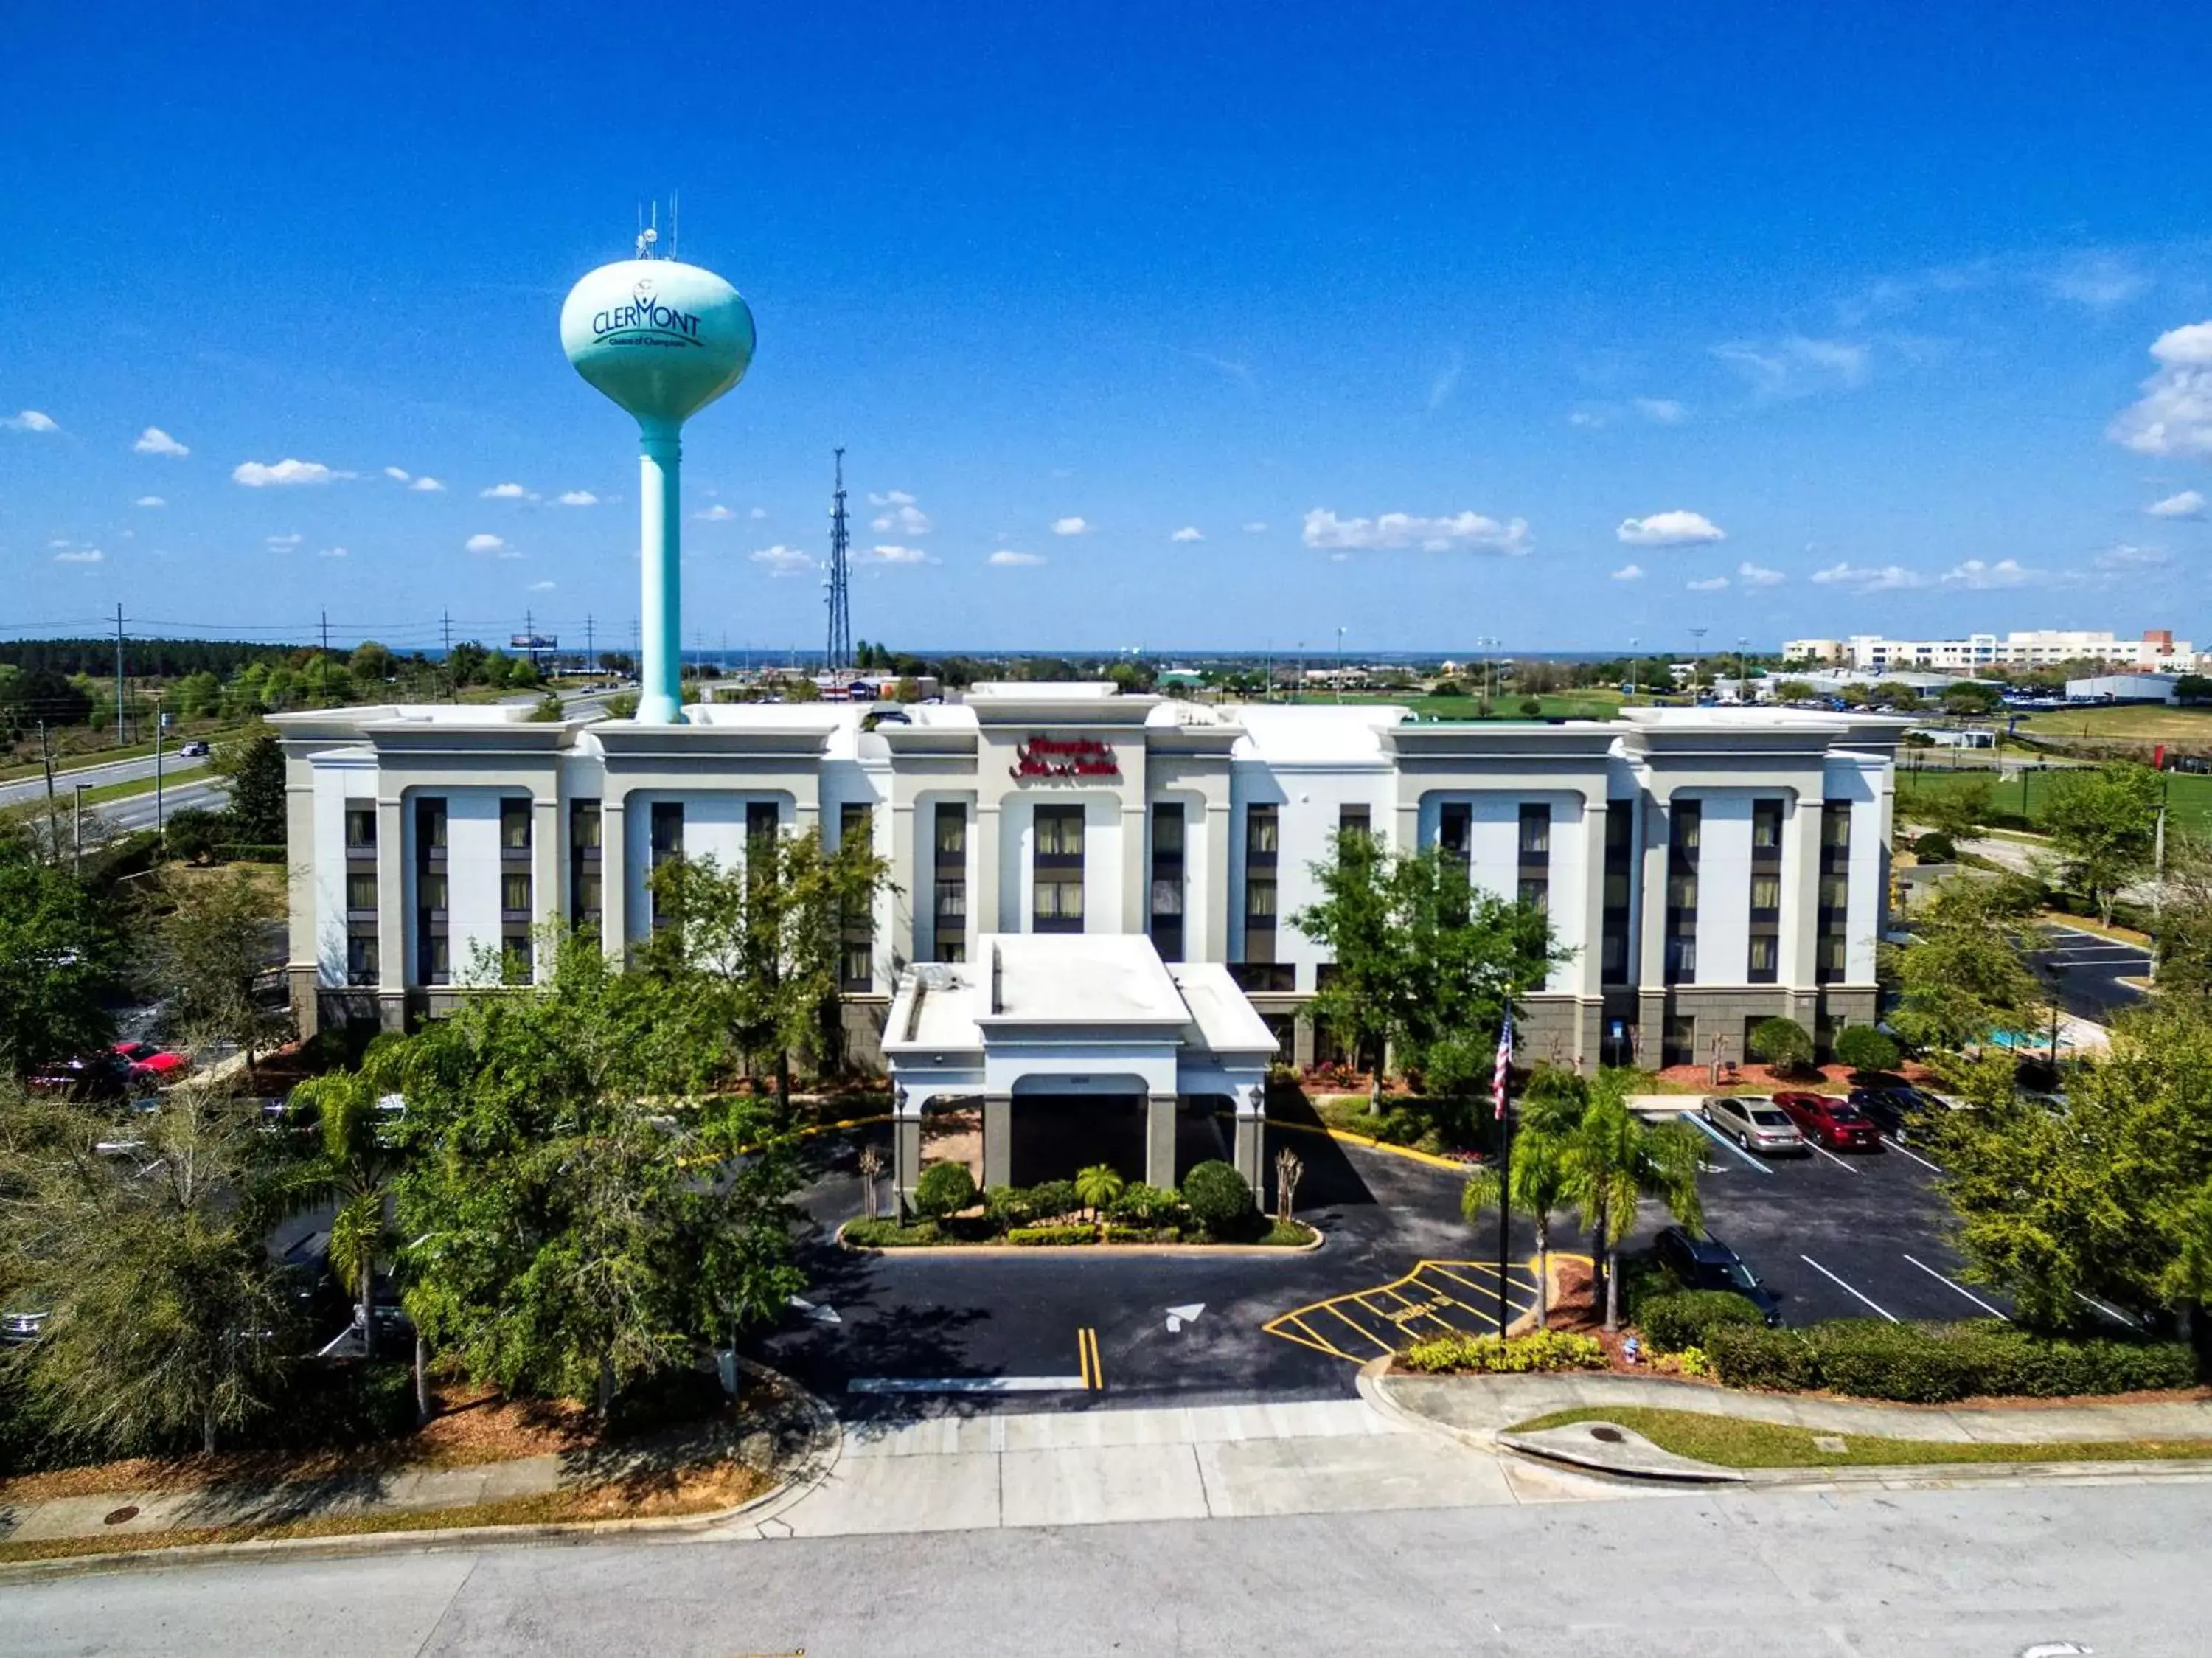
(2140, 723)
(2189, 797)
(1596, 704)
(1732, 1442)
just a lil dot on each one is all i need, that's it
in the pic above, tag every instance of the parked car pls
(1753, 1122)
(95, 1077)
(196, 749)
(1830, 1121)
(1896, 1112)
(1706, 1263)
(148, 1062)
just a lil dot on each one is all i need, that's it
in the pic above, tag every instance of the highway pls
(25, 791)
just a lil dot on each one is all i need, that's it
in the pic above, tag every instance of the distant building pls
(1817, 651)
(1871, 653)
(2123, 688)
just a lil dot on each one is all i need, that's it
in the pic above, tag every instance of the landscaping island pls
(1212, 1209)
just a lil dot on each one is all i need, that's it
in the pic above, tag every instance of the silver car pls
(1753, 1122)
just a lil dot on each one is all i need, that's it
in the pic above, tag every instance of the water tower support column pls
(661, 497)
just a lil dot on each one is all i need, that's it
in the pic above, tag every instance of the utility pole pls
(118, 676)
(76, 828)
(53, 816)
(591, 651)
(452, 684)
(161, 833)
(326, 633)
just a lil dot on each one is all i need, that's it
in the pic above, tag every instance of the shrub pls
(1117, 1234)
(1753, 1356)
(1053, 1198)
(192, 832)
(1147, 1205)
(889, 1235)
(1217, 1196)
(1531, 707)
(1006, 1206)
(1671, 1323)
(1934, 1364)
(1782, 1044)
(942, 1191)
(1864, 1048)
(1053, 1235)
(1540, 1350)
(1934, 847)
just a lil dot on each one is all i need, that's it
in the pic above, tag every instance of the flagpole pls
(1504, 1090)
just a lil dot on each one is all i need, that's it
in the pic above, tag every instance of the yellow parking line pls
(1490, 1290)
(1331, 1307)
(1086, 1357)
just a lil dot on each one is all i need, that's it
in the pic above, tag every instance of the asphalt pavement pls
(24, 792)
(2089, 969)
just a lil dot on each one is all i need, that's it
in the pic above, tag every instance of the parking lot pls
(2089, 970)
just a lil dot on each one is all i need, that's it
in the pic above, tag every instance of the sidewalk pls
(1477, 1408)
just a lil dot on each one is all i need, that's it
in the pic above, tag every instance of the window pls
(1167, 832)
(1536, 833)
(1260, 833)
(1835, 891)
(762, 818)
(361, 961)
(1685, 826)
(1765, 893)
(1353, 820)
(430, 893)
(1681, 892)
(950, 880)
(1765, 959)
(1456, 830)
(1060, 833)
(514, 825)
(1829, 959)
(1167, 897)
(858, 971)
(1536, 895)
(1616, 889)
(951, 949)
(667, 830)
(361, 828)
(1836, 824)
(1678, 1041)
(587, 895)
(1682, 959)
(1615, 960)
(1260, 901)
(1166, 910)
(951, 833)
(952, 902)
(1058, 904)
(1279, 978)
(360, 893)
(514, 894)
(437, 960)
(1767, 826)
(430, 825)
(584, 825)
(514, 958)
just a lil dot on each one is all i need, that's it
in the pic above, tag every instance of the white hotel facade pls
(1706, 867)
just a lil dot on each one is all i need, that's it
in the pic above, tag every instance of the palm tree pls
(1615, 1161)
(353, 1168)
(1097, 1186)
(1542, 1176)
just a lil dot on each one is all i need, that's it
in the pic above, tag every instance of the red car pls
(151, 1065)
(1830, 1121)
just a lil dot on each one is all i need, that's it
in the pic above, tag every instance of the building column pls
(548, 898)
(393, 932)
(998, 1139)
(911, 885)
(1211, 943)
(614, 879)
(1648, 910)
(1799, 944)
(983, 887)
(1137, 869)
(1589, 965)
(1159, 1139)
(906, 1148)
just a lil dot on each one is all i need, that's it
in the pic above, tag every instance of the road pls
(2089, 969)
(1965, 1573)
(26, 790)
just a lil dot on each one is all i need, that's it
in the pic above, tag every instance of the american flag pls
(1504, 1069)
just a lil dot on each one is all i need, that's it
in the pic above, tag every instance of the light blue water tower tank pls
(663, 339)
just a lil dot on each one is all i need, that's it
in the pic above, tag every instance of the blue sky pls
(1430, 321)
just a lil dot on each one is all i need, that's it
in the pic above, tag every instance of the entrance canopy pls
(1058, 1014)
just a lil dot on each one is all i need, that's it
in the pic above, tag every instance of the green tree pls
(1355, 922)
(584, 1211)
(371, 663)
(353, 1168)
(1794, 690)
(1971, 697)
(1616, 1162)
(1966, 973)
(2103, 824)
(1953, 806)
(1543, 1178)
(210, 941)
(2182, 939)
(1782, 1044)
(198, 696)
(942, 1191)
(2107, 1193)
(1098, 1185)
(61, 954)
(763, 943)
(1866, 1049)
(255, 765)
(166, 1323)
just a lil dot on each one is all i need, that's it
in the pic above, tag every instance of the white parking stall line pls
(1727, 1144)
(1812, 1145)
(1847, 1289)
(2109, 1312)
(967, 1385)
(1898, 1146)
(1956, 1285)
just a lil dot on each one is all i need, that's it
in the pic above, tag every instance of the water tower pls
(663, 339)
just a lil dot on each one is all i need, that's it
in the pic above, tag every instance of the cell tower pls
(839, 651)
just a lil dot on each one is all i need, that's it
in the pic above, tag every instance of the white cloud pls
(1629, 573)
(30, 421)
(1862, 578)
(1795, 365)
(714, 515)
(1440, 387)
(1188, 532)
(1664, 410)
(397, 474)
(1257, 526)
(900, 513)
(427, 486)
(1710, 584)
(1072, 527)
(506, 492)
(1755, 576)
(151, 501)
(2187, 504)
(2123, 556)
(2174, 414)
(2099, 281)
(61, 542)
(894, 555)
(783, 561)
(578, 498)
(155, 441)
(1005, 557)
(485, 541)
(1677, 529)
(1590, 420)
(82, 556)
(258, 475)
(758, 513)
(1978, 576)
(542, 587)
(332, 552)
(285, 543)
(1466, 531)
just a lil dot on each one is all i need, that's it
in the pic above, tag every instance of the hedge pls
(1671, 1323)
(890, 1235)
(1934, 1364)
(1053, 1235)
(1540, 1350)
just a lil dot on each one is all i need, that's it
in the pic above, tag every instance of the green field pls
(2143, 723)
(2189, 798)
(1566, 705)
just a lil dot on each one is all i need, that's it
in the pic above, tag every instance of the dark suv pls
(1708, 1264)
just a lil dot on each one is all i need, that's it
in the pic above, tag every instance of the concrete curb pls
(1685, 1471)
(825, 1444)
(1166, 1252)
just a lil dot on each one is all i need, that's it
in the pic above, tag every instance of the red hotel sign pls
(1071, 757)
